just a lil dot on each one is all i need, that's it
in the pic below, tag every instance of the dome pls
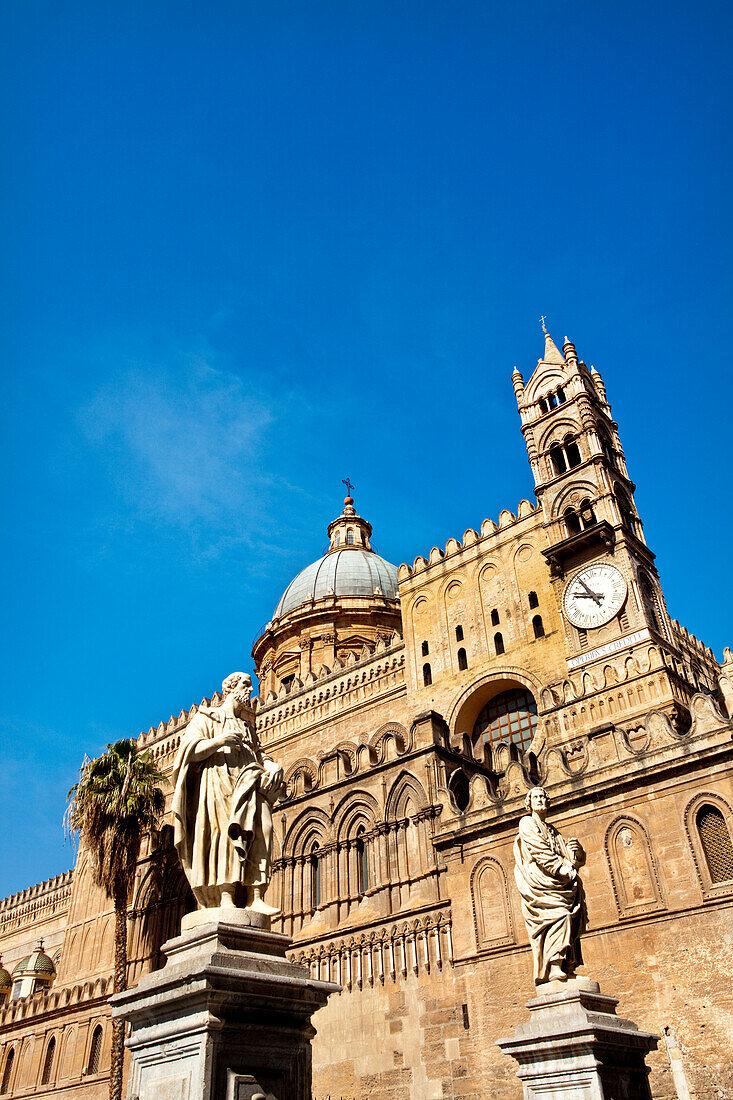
(5, 980)
(348, 571)
(37, 962)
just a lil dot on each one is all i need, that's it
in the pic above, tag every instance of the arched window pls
(95, 1050)
(586, 513)
(459, 633)
(498, 643)
(543, 406)
(539, 630)
(508, 717)
(427, 676)
(561, 399)
(572, 521)
(460, 789)
(462, 659)
(7, 1071)
(425, 649)
(494, 617)
(624, 506)
(532, 599)
(572, 450)
(362, 862)
(557, 458)
(716, 843)
(607, 448)
(650, 600)
(350, 537)
(315, 866)
(337, 539)
(48, 1061)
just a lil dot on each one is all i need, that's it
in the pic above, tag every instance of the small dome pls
(5, 980)
(37, 962)
(349, 571)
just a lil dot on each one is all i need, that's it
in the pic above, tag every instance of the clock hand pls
(593, 595)
(588, 596)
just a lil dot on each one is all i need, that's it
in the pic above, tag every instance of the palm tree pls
(114, 803)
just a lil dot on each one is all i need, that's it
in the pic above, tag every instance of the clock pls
(594, 595)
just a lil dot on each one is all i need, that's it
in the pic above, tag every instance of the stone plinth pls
(227, 1018)
(575, 1047)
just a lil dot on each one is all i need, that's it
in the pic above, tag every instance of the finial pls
(349, 486)
(542, 322)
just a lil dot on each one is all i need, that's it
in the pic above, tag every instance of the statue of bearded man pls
(553, 903)
(225, 788)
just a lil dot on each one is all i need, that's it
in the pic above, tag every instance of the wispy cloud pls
(182, 444)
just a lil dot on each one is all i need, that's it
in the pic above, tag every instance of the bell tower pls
(602, 570)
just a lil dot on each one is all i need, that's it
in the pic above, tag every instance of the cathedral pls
(412, 708)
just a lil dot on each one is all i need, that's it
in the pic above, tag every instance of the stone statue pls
(553, 903)
(225, 788)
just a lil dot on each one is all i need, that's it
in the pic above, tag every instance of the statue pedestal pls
(575, 1047)
(227, 1018)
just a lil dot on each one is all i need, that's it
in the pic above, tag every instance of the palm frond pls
(114, 803)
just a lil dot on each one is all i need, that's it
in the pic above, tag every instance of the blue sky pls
(254, 248)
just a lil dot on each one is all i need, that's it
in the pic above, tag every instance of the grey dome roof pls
(350, 571)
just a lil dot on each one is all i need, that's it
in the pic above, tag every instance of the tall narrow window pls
(95, 1050)
(425, 649)
(350, 537)
(572, 521)
(586, 512)
(560, 395)
(543, 406)
(539, 630)
(494, 617)
(716, 843)
(427, 676)
(459, 633)
(557, 458)
(315, 865)
(7, 1071)
(362, 863)
(498, 643)
(624, 506)
(533, 601)
(649, 598)
(462, 659)
(48, 1061)
(572, 450)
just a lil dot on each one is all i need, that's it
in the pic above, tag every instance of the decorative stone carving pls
(225, 788)
(553, 902)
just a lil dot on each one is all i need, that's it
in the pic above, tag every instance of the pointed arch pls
(313, 824)
(492, 914)
(405, 788)
(632, 866)
(7, 1078)
(357, 808)
(709, 827)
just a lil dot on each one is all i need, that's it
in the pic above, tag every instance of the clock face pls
(594, 595)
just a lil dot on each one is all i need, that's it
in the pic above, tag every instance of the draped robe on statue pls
(222, 820)
(553, 903)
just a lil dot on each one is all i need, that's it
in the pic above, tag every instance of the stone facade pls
(410, 729)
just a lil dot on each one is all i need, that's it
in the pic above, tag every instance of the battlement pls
(35, 902)
(490, 530)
